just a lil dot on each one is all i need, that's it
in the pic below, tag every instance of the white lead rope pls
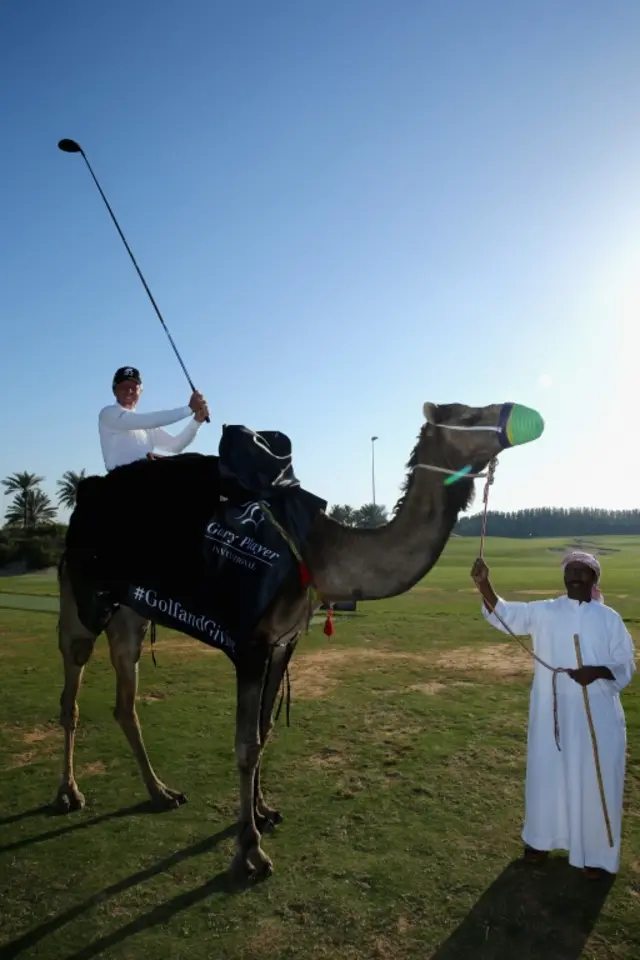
(451, 473)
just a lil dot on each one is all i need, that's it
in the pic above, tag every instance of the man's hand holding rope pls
(480, 575)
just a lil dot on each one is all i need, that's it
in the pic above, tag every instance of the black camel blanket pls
(190, 541)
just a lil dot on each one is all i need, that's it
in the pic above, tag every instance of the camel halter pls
(516, 425)
(500, 428)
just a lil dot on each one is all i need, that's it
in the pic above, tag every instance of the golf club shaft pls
(139, 272)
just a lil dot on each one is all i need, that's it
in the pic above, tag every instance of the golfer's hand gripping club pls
(199, 406)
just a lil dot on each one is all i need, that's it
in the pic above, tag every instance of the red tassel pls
(328, 624)
(305, 576)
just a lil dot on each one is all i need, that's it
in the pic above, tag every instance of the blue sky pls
(343, 209)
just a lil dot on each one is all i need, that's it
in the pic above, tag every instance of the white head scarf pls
(578, 556)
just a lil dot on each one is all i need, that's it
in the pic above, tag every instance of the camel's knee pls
(247, 756)
(124, 712)
(81, 650)
(69, 713)
(76, 649)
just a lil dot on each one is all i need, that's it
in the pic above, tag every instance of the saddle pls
(195, 542)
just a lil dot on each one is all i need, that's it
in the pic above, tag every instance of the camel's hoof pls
(267, 821)
(265, 871)
(68, 800)
(166, 799)
(254, 866)
(261, 864)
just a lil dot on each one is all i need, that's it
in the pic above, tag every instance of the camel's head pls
(456, 437)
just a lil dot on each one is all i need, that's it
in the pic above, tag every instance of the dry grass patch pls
(500, 659)
(329, 759)
(316, 674)
(42, 743)
(22, 760)
(153, 697)
(41, 734)
(430, 688)
(95, 769)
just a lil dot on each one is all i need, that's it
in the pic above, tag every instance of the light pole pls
(373, 469)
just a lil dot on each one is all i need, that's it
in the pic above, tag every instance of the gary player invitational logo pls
(242, 549)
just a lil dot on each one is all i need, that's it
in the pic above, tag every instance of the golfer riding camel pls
(126, 436)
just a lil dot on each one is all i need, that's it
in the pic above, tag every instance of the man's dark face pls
(579, 579)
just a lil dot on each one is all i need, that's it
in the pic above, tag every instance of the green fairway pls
(42, 584)
(29, 601)
(400, 781)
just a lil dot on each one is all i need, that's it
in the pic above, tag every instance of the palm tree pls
(30, 508)
(344, 514)
(22, 483)
(371, 515)
(68, 488)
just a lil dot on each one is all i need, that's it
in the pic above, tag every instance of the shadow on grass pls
(146, 807)
(530, 913)
(220, 884)
(24, 815)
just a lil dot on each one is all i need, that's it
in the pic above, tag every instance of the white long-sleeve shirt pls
(126, 436)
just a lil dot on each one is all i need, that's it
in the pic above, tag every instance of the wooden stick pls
(594, 743)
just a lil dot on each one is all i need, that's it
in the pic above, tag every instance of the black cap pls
(126, 373)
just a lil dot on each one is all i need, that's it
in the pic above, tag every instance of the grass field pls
(400, 780)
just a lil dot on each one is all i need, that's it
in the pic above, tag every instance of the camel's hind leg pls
(126, 633)
(76, 644)
(249, 858)
(266, 816)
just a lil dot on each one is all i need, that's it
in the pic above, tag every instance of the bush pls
(7, 552)
(39, 552)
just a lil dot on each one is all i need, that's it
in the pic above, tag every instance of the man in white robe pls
(563, 807)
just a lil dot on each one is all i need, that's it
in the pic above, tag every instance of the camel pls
(344, 564)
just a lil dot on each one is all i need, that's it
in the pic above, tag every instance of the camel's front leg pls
(75, 643)
(249, 855)
(266, 816)
(75, 654)
(126, 633)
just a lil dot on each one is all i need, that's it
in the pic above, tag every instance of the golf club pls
(70, 146)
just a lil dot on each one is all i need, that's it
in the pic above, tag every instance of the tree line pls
(547, 522)
(552, 522)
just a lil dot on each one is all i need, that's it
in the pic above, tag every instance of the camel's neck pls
(389, 560)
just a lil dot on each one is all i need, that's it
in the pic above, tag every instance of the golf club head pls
(69, 146)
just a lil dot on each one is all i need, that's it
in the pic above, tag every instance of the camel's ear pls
(429, 412)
